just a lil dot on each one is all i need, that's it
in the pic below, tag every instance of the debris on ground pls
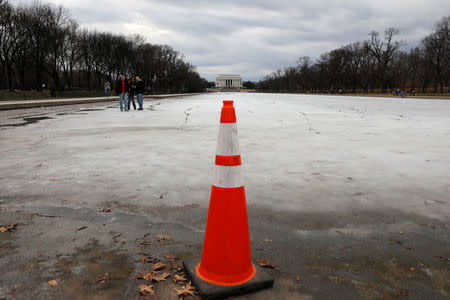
(179, 279)
(442, 258)
(146, 289)
(159, 266)
(187, 290)
(163, 237)
(8, 228)
(148, 259)
(53, 283)
(104, 278)
(152, 276)
(171, 256)
(266, 263)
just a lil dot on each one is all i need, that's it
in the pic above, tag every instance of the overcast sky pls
(254, 38)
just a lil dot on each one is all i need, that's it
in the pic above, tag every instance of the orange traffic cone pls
(226, 267)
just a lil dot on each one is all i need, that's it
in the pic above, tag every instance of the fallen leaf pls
(152, 276)
(402, 292)
(162, 236)
(104, 278)
(148, 259)
(81, 228)
(178, 278)
(159, 266)
(297, 277)
(266, 263)
(106, 210)
(443, 258)
(8, 228)
(187, 290)
(145, 275)
(53, 282)
(38, 165)
(160, 197)
(161, 277)
(170, 256)
(146, 289)
(349, 178)
(412, 269)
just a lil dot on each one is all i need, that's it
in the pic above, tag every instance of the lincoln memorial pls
(229, 82)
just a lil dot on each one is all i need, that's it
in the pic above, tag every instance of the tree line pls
(378, 64)
(41, 44)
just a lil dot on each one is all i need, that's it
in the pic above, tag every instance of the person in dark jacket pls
(140, 87)
(121, 90)
(131, 90)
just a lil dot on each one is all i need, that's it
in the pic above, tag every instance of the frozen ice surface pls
(304, 153)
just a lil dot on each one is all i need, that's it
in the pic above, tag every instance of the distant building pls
(229, 82)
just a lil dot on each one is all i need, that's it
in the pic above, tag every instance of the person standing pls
(131, 89)
(121, 90)
(140, 92)
(107, 89)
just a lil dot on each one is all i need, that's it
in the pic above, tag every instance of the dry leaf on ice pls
(159, 266)
(148, 259)
(161, 277)
(152, 276)
(146, 289)
(178, 278)
(145, 275)
(164, 237)
(170, 256)
(187, 290)
(104, 278)
(8, 228)
(266, 263)
(53, 282)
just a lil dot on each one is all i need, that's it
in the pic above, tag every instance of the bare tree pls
(40, 42)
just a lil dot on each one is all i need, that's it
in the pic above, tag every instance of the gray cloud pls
(256, 37)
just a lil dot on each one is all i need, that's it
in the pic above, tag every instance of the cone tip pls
(228, 114)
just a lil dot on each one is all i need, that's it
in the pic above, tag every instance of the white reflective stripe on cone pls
(227, 142)
(228, 176)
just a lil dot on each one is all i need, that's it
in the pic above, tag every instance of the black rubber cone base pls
(207, 290)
